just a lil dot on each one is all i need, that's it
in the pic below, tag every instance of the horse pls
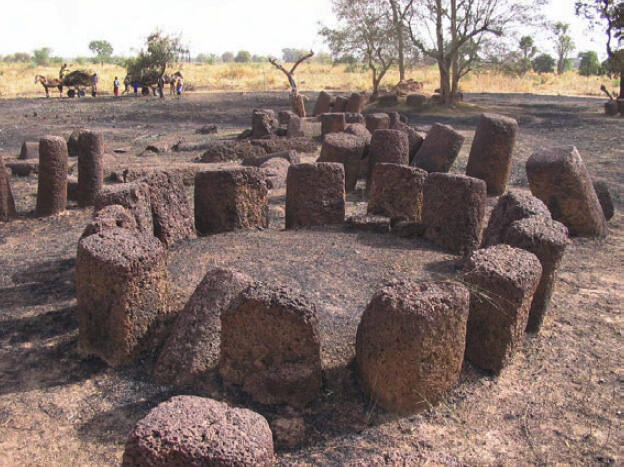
(48, 83)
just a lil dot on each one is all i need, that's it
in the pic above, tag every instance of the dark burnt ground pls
(560, 401)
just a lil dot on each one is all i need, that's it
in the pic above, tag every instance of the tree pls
(42, 56)
(527, 48)
(103, 50)
(161, 51)
(544, 63)
(242, 57)
(563, 45)
(209, 59)
(610, 15)
(296, 100)
(259, 59)
(292, 55)
(452, 32)
(589, 64)
(227, 57)
(365, 33)
(401, 10)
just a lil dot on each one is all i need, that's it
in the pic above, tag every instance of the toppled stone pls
(439, 149)
(207, 130)
(23, 168)
(368, 223)
(30, 150)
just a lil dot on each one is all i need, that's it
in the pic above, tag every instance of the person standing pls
(179, 87)
(116, 87)
(161, 85)
(94, 83)
(135, 85)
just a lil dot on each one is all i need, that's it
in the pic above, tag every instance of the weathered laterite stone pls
(547, 239)
(332, 123)
(453, 211)
(347, 150)
(122, 290)
(193, 347)
(52, 188)
(315, 195)
(7, 203)
(387, 146)
(90, 167)
(439, 149)
(340, 104)
(502, 281)
(491, 151)
(135, 197)
(30, 150)
(354, 117)
(559, 178)
(230, 199)
(275, 172)
(415, 137)
(510, 207)
(256, 161)
(359, 130)
(604, 197)
(356, 103)
(112, 216)
(73, 146)
(410, 343)
(397, 191)
(323, 104)
(197, 431)
(270, 346)
(263, 123)
(368, 223)
(377, 121)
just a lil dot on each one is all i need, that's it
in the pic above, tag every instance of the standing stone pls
(347, 150)
(559, 178)
(197, 431)
(491, 151)
(230, 199)
(284, 117)
(135, 197)
(354, 117)
(263, 122)
(292, 157)
(390, 146)
(275, 172)
(356, 103)
(270, 346)
(192, 349)
(294, 128)
(415, 100)
(414, 136)
(547, 239)
(7, 203)
(453, 211)
(323, 104)
(410, 343)
(315, 195)
(90, 168)
(122, 291)
(511, 207)
(359, 130)
(397, 191)
(30, 150)
(340, 104)
(388, 100)
(52, 189)
(332, 123)
(604, 198)
(73, 146)
(502, 281)
(112, 216)
(377, 121)
(439, 149)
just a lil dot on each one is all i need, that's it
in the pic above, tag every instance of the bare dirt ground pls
(559, 402)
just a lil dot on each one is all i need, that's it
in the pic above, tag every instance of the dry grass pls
(18, 79)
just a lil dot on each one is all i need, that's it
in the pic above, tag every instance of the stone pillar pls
(52, 189)
(90, 167)
(7, 204)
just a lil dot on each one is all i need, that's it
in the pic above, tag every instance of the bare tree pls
(296, 99)
(401, 10)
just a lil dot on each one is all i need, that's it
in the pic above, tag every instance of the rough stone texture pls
(263, 123)
(23, 168)
(135, 197)
(377, 121)
(90, 167)
(347, 150)
(355, 103)
(187, 173)
(73, 145)
(453, 211)
(210, 129)
(414, 136)
(221, 151)
(288, 432)
(368, 223)
(193, 347)
(491, 151)
(284, 116)
(52, 189)
(502, 281)
(397, 191)
(30, 150)
(388, 100)
(171, 211)
(439, 149)
(359, 130)
(354, 117)
(304, 144)
(559, 178)
(295, 128)
(547, 239)
(270, 346)
(7, 203)
(300, 127)
(387, 146)
(315, 195)
(406, 228)
(122, 290)
(416, 100)
(109, 217)
(230, 199)
(340, 104)
(196, 431)
(323, 104)
(275, 172)
(332, 123)
(510, 207)
(410, 343)
(256, 161)
(604, 198)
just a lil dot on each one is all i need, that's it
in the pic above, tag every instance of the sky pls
(263, 27)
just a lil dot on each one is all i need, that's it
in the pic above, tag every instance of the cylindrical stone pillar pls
(52, 189)
(90, 169)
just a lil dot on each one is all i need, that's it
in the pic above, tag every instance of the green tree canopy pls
(544, 63)
(162, 50)
(242, 57)
(42, 56)
(589, 65)
(227, 57)
(103, 50)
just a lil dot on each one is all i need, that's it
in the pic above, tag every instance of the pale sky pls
(262, 27)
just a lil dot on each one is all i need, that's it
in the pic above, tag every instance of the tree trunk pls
(621, 96)
(399, 38)
(454, 60)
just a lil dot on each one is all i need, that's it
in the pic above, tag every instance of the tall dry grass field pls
(17, 80)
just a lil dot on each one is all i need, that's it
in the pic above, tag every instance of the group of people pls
(176, 83)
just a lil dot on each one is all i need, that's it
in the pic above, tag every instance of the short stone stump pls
(502, 281)
(270, 346)
(397, 191)
(111, 216)
(347, 150)
(29, 150)
(332, 123)
(135, 197)
(359, 130)
(377, 121)
(230, 199)
(355, 103)
(559, 178)
(197, 431)
(439, 149)
(340, 104)
(315, 195)
(263, 123)
(275, 172)
(453, 211)
(410, 343)
(122, 290)
(387, 146)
